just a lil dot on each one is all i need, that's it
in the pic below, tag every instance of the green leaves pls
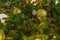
(25, 26)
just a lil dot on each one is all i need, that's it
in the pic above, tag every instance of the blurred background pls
(29, 19)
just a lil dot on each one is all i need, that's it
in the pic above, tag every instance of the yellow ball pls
(17, 11)
(54, 37)
(2, 35)
(41, 13)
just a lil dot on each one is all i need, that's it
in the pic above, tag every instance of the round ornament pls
(34, 12)
(17, 11)
(2, 35)
(54, 37)
(9, 6)
(47, 8)
(41, 13)
(56, 2)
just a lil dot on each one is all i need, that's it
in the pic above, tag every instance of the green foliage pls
(25, 26)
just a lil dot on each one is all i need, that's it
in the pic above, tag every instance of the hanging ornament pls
(2, 17)
(54, 37)
(2, 35)
(47, 8)
(41, 12)
(16, 11)
(34, 12)
(56, 2)
(9, 6)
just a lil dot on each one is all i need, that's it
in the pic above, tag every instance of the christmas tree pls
(29, 19)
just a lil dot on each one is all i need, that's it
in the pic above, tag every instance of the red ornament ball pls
(9, 6)
(47, 8)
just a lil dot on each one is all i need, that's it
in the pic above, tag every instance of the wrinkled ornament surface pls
(2, 35)
(17, 11)
(41, 12)
(2, 16)
(34, 12)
